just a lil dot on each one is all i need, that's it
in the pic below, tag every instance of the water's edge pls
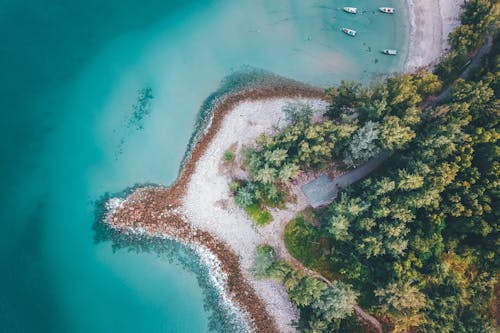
(260, 85)
(224, 315)
(237, 82)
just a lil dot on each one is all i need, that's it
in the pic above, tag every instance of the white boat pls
(387, 10)
(389, 52)
(352, 10)
(349, 32)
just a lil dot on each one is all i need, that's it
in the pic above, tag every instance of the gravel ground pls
(209, 205)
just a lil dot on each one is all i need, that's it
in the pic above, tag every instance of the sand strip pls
(431, 22)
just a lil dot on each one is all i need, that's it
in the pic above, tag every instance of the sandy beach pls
(431, 23)
(199, 207)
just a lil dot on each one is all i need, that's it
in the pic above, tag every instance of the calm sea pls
(100, 95)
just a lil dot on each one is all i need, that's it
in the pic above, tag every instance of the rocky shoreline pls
(157, 211)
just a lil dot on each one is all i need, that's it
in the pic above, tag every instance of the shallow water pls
(101, 95)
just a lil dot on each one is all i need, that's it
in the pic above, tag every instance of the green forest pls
(415, 244)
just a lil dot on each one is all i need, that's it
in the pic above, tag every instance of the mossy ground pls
(305, 242)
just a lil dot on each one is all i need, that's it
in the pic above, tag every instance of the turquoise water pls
(102, 95)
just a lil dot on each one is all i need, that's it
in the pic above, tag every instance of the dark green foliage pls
(385, 115)
(397, 96)
(245, 195)
(263, 261)
(326, 313)
(277, 160)
(364, 145)
(344, 99)
(304, 290)
(382, 118)
(419, 239)
(280, 270)
(299, 146)
(335, 302)
(253, 197)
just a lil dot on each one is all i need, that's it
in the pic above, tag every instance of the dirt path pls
(322, 190)
(362, 316)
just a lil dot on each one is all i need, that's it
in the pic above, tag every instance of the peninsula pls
(202, 210)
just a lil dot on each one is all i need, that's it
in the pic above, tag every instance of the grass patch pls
(258, 214)
(306, 243)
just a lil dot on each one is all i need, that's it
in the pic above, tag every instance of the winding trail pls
(361, 315)
(477, 57)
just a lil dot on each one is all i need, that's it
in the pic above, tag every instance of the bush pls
(335, 302)
(343, 99)
(271, 196)
(259, 215)
(228, 156)
(234, 186)
(245, 196)
(253, 197)
(264, 259)
(298, 111)
(280, 270)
